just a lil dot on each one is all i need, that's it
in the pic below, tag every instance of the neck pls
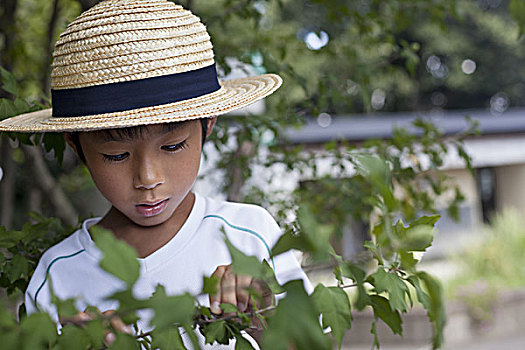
(147, 239)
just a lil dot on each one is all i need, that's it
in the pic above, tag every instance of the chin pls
(151, 221)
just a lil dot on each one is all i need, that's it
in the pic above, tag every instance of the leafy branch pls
(385, 290)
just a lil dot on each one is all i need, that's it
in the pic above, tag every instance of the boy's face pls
(148, 176)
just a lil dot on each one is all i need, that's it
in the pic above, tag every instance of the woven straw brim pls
(232, 95)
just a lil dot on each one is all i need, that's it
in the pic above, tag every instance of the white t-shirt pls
(195, 251)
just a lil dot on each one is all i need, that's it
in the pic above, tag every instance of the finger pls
(264, 295)
(109, 338)
(242, 289)
(215, 299)
(82, 316)
(79, 318)
(117, 323)
(228, 292)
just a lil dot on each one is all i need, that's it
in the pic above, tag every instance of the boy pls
(135, 91)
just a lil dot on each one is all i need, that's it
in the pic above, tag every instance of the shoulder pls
(240, 214)
(246, 220)
(240, 211)
(68, 248)
(52, 262)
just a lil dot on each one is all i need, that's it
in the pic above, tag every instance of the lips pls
(148, 209)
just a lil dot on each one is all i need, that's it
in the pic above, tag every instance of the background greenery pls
(379, 56)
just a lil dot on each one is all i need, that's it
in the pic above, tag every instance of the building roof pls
(357, 128)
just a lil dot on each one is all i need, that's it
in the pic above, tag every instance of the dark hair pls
(133, 132)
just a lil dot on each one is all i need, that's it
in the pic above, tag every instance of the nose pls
(148, 173)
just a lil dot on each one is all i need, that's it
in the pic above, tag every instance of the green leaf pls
(39, 331)
(295, 321)
(377, 171)
(124, 341)
(127, 301)
(168, 338)
(316, 236)
(422, 296)
(408, 262)
(181, 308)
(313, 238)
(10, 339)
(95, 332)
(394, 286)
(73, 338)
(418, 238)
(190, 332)
(7, 108)
(8, 81)
(216, 332)
(119, 258)
(268, 276)
(373, 330)
(517, 11)
(24, 138)
(334, 306)
(430, 220)
(66, 308)
(435, 306)
(242, 343)
(7, 319)
(56, 142)
(286, 242)
(228, 308)
(21, 106)
(358, 275)
(374, 249)
(243, 264)
(10, 238)
(17, 268)
(382, 309)
(420, 234)
(209, 285)
(205, 311)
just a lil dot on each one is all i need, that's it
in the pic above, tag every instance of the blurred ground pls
(513, 343)
(505, 331)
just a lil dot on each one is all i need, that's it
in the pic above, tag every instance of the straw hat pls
(134, 62)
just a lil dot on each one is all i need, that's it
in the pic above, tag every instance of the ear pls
(211, 122)
(69, 140)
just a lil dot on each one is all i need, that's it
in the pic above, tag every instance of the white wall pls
(510, 187)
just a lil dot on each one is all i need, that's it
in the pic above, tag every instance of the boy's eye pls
(115, 157)
(175, 147)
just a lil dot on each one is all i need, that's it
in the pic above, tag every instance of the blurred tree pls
(336, 57)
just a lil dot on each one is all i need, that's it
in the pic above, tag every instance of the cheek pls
(185, 171)
(109, 184)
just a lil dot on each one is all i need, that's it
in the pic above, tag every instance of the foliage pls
(294, 320)
(372, 46)
(10, 107)
(21, 249)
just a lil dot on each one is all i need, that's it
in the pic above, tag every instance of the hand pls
(83, 317)
(235, 289)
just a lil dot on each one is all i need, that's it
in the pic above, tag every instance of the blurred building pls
(497, 152)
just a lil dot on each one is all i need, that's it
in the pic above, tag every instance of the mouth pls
(148, 209)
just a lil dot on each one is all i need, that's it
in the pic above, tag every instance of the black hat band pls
(128, 95)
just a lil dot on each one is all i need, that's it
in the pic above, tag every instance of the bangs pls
(135, 132)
